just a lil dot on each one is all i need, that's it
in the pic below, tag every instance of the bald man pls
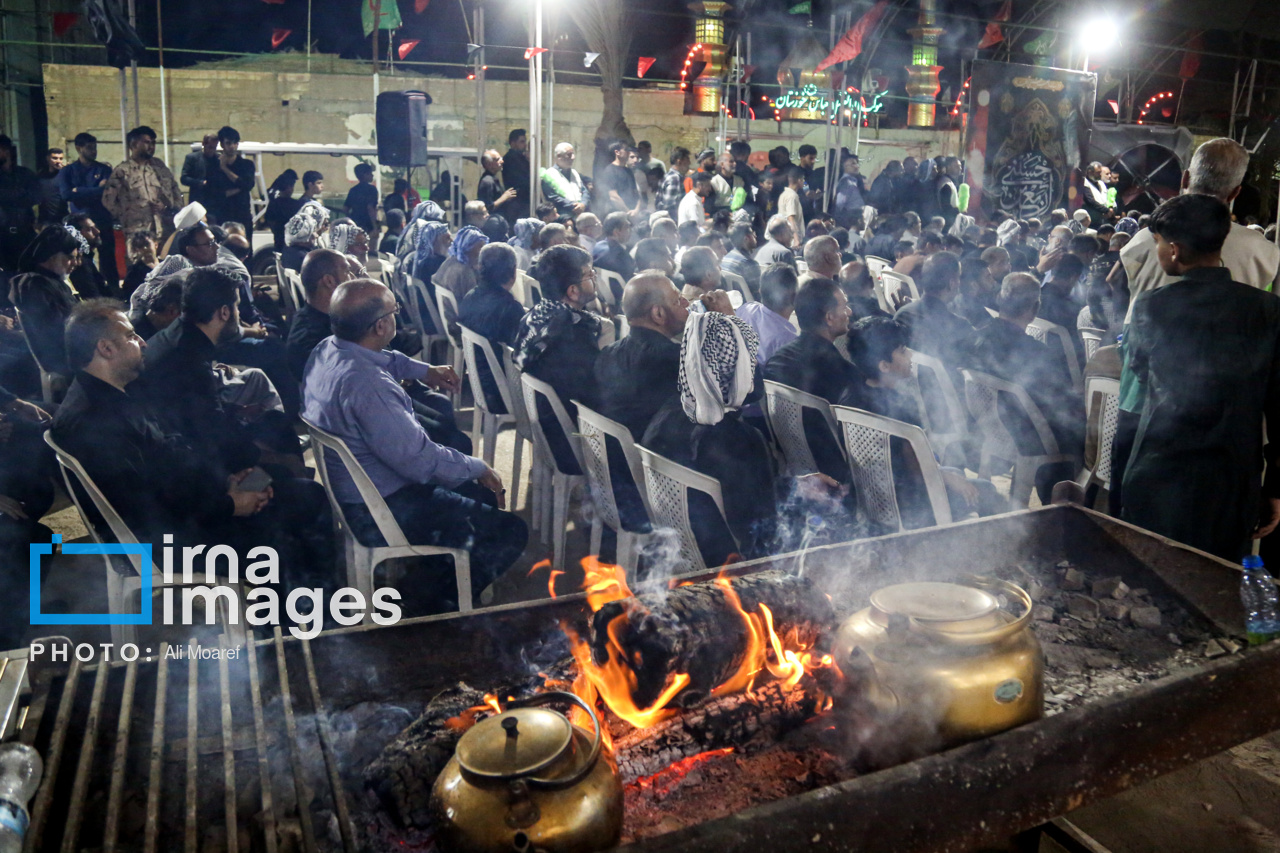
(438, 495)
(822, 256)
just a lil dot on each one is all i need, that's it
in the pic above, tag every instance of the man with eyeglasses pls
(352, 388)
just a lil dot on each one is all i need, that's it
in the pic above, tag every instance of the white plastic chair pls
(784, 410)
(668, 484)
(1102, 413)
(282, 287)
(119, 586)
(609, 285)
(733, 281)
(524, 431)
(895, 284)
(875, 266)
(525, 288)
(447, 303)
(593, 427)
(561, 482)
(297, 293)
(1092, 343)
(982, 392)
(1042, 330)
(956, 428)
(418, 296)
(361, 559)
(47, 392)
(868, 438)
(482, 418)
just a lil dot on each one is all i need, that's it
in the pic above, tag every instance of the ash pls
(1102, 637)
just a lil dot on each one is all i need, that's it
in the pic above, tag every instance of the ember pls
(664, 781)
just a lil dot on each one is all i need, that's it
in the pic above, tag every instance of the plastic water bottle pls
(20, 772)
(1261, 609)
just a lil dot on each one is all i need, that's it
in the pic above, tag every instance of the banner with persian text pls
(1028, 132)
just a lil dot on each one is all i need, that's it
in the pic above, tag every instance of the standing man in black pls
(516, 174)
(618, 185)
(362, 202)
(500, 200)
(80, 183)
(229, 184)
(198, 166)
(19, 194)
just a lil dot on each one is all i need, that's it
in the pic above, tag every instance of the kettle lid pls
(930, 601)
(515, 743)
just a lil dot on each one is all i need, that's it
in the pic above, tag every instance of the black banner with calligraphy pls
(1028, 131)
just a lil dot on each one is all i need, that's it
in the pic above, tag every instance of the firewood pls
(695, 630)
(739, 720)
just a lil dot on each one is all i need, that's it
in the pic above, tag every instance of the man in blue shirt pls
(438, 496)
(80, 183)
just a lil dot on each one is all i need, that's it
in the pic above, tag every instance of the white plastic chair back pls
(1043, 330)
(668, 485)
(593, 427)
(733, 281)
(447, 303)
(897, 285)
(46, 378)
(282, 285)
(982, 392)
(801, 267)
(993, 312)
(609, 285)
(941, 435)
(524, 289)
(868, 438)
(515, 392)
(471, 341)
(119, 587)
(784, 409)
(1092, 342)
(876, 265)
(531, 388)
(297, 293)
(365, 558)
(418, 289)
(1102, 404)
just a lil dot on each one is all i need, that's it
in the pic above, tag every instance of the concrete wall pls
(274, 105)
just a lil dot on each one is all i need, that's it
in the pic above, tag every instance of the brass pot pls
(528, 779)
(948, 657)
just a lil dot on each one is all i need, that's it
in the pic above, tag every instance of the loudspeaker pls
(402, 128)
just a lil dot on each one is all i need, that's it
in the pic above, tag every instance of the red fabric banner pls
(420, 6)
(531, 52)
(644, 64)
(850, 44)
(278, 36)
(1191, 61)
(406, 47)
(64, 21)
(995, 34)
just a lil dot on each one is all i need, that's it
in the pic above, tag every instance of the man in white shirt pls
(589, 230)
(1217, 169)
(789, 205)
(691, 209)
(1095, 194)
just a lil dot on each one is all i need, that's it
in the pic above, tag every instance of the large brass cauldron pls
(526, 780)
(948, 657)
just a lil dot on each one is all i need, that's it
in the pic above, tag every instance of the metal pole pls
(308, 36)
(478, 70)
(164, 104)
(531, 149)
(124, 117)
(538, 78)
(133, 65)
(829, 173)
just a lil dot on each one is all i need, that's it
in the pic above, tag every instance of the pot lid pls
(515, 743)
(930, 601)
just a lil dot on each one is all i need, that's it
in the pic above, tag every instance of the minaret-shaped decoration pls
(708, 33)
(922, 73)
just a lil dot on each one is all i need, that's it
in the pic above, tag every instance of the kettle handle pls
(596, 742)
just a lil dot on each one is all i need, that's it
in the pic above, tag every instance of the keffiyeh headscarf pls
(547, 321)
(170, 266)
(303, 228)
(341, 236)
(717, 366)
(1006, 232)
(526, 230)
(1127, 225)
(81, 242)
(427, 211)
(427, 238)
(466, 240)
(423, 215)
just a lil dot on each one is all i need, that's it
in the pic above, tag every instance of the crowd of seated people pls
(174, 398)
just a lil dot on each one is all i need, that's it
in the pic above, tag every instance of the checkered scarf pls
(717, 366)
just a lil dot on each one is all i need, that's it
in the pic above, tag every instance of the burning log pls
(705, 632)
(761, 715)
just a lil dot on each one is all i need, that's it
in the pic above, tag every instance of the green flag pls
(389, 14)
(805, 8)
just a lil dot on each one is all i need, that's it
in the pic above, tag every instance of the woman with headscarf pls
(281, 205)
(302, 234)
(526, 231)
(458, 272)
(703, 429)
(44, 297)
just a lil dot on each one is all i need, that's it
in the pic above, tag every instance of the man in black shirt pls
(161, 308)
(86, 279)
(812, 364)
(322, 272)
(515, 172)
(934, 329)
(229, 183)
(498, 199)
(362, 202)
(611, 253)
(159, 483)
(618, 191)
(198, 166)
(493, 313)
(19, 194)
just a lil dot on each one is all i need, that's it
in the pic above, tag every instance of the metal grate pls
(214, 744)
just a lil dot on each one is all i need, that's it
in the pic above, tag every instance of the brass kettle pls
(529, 780)
(946, 659)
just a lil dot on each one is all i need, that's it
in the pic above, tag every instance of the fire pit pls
(269, 752)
